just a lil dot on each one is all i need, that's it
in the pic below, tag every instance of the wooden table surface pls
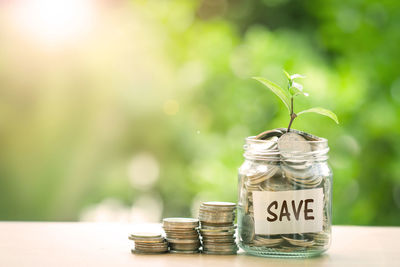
(97, 244)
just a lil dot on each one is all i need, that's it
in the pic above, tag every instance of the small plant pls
(287, 96)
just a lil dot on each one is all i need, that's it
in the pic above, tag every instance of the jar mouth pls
(260, 141)
(257, 149)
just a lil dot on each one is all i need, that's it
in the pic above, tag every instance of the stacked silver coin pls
(182, 235)
(218, 228)
(149, 243)
(290, 162)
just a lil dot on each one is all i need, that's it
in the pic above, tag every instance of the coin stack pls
(217, 228)
(149, 243)
(182, 235)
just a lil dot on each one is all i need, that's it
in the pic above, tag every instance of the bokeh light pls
(53, 22)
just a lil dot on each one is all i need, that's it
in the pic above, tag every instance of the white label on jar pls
(288, 212)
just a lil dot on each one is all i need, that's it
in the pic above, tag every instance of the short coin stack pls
(217, 228)
(182, 235)
(149, 243)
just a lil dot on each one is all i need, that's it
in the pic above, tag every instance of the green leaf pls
(276, 89)
(294, 91)
(322, 111)
(287, 74)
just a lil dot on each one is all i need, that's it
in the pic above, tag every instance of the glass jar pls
(285, 195)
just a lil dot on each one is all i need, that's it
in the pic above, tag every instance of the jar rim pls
(261, 141)
(257, 149)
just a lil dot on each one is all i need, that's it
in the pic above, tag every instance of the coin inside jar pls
(290, 143)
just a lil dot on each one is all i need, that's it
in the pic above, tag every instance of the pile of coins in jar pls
(213, 233)
(283, 161)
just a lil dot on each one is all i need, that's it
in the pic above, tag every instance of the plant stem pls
(292, 114)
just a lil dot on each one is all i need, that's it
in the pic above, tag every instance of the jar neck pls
(268, 150)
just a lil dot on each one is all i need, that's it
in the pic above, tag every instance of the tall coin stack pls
(182, 235)
(149, 243)
(218, 228)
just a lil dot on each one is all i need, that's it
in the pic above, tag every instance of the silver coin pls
(300, 174)
(179, 220)
(218, 228)
(268, 134)
(216, 224)
(184, 251)
(218, 220)
(217, 242)
(219, 204)
(218, 233)
(145, 235)
(169, 232)
(247, 229)
(182, 241)
(227, 239)
(276, 184)
(267, 146)
(180, 247)
(172, 236)
(144, 244)
(180, 223)
(180, 230)
(250, 188)
(181, 236)
(193, 246)
(291, 142)
(215, 234)
(299, 165)
(151, 245)
(215, 217)
(230, 250)
(264, 242)
(220, 252)
(307, 136)
(298, 240)
(217, 213)
(230, 241)
(215, 205)
(147, 240)
(134, 251)
(141, 248)
(267, 172)
(224, 213)
(220, 247)
(160, 249)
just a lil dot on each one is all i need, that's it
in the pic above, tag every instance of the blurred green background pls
(135, 110)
